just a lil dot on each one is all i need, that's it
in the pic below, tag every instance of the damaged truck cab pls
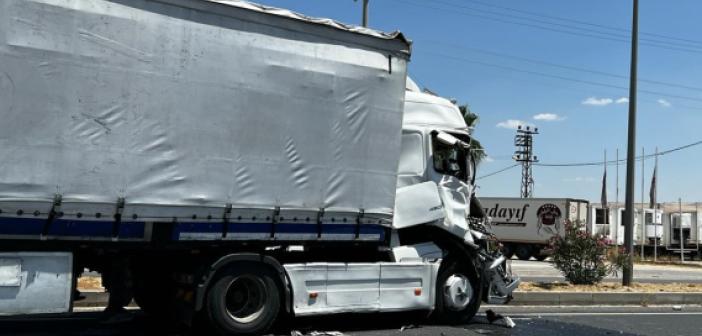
(436, 205)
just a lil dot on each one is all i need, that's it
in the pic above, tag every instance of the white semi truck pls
(524, 226)
(232, 161)
(662, 227)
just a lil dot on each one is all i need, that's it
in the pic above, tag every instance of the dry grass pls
(610, 287)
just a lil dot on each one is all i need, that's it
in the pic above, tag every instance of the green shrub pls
(585, 259)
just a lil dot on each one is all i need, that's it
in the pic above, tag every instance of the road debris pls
(492, 317)
(409, 326)
(317, 333)
(677, 307)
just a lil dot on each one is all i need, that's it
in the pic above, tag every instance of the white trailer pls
(681, 220)
(231, 160)
(648, 224)
(525, 225)
(662, 226)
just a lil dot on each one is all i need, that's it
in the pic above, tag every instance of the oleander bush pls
(583, 258)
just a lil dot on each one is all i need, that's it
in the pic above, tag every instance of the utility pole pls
(655, 211)
(616, 206)
(364, 19)
(524, 140)
(628, 272)
(616, 192)
(643, 211)
(697, 228)
(680, 226)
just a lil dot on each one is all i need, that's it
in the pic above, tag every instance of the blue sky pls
(475, 52)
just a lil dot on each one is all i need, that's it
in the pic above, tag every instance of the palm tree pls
(476, 148)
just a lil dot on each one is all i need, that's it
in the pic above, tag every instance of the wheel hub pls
(457, 292)
(245, 299)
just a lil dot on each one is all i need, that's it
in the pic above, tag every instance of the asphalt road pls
(541, 321)
(542, 271)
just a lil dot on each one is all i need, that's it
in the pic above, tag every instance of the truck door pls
(452, 172)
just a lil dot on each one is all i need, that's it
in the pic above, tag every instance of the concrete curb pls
(99, 299)
(605, 298)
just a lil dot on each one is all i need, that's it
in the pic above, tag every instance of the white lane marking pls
(605, 314)
(97, 309)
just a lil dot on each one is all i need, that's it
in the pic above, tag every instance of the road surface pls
(537, 321)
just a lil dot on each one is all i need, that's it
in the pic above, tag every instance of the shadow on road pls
(87, 324)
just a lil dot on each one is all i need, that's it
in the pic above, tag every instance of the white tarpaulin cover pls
(197, 103)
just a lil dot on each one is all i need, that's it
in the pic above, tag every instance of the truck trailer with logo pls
(231, 161)
(524, 226)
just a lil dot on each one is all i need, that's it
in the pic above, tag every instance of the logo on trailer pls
(549, 218)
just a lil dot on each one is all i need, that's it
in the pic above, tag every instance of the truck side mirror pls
(447, 139)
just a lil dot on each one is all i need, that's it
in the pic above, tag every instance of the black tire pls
(508, 251)
(446, 314)
(243, 300)
(523, 252)
(540, 257)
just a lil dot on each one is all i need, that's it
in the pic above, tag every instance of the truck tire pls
(458, 293)
(243, 300)
(538, 255)
(523, 251)
(508, 250)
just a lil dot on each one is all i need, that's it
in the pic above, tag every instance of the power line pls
(573, 88)
(614, 162)
(595, 163)
(496, 172)
(566, 26)
(565, 78)
(482, 3)
(567, 67)
(577, 31)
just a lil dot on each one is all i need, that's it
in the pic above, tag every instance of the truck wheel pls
(243, 300)
(540, 257)
(523, 252)
(508, 251)
(458, 293)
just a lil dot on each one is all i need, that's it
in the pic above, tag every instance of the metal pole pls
(605, 207)
(682, 246)
(643, 212)
(697, 229)
(616, 194)
(655, 211)
(628, 271)
(617, 207)
(365, 13)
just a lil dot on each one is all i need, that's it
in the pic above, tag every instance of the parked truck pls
(232, 161)
(524, 226)
(662, 226)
